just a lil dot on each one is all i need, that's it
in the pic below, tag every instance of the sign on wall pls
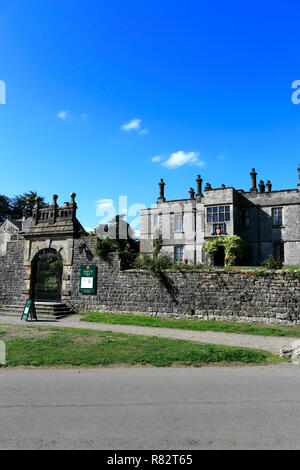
(88, 279)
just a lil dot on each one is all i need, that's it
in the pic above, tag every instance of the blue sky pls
(96, 90)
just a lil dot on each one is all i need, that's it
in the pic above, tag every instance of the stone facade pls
(268, 221)
(214, 293)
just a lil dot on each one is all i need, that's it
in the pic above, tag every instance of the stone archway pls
(47, 270)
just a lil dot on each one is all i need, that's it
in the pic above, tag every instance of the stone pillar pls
(261, 186)
(199, 181)
(73, 205)
(36, 210)
(253, 180)
(54, 206)
(161, 191)
(192, 193)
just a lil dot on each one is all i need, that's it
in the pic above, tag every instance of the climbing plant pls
(233, 248)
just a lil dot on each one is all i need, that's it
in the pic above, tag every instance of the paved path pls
(272, 344)
(151, 408)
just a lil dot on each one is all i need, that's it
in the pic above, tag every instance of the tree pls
(5, 207)
(24, 202)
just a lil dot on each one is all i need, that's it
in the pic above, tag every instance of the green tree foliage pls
(5, 207)
(233, 247)
(24, 202)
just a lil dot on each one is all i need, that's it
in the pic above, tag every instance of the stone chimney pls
(253, 175)
(262, 186)
(269, 186)
(192, 193)
(199, 181)
(161, 185)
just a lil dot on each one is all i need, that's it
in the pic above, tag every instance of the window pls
(178, 253)
(218, 214)
(246, 221)
(219, 229)
(155, 220)
(277, 216)
(179, 223)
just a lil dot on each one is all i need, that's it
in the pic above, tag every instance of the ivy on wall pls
(233, 248)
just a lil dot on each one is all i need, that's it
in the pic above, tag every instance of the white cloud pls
(144, 131)
(84, 117)
(133, 125)
(157, 158)
(180, 158)
(63, 114)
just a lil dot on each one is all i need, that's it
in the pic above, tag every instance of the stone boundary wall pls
(219, 294)
(12, 274)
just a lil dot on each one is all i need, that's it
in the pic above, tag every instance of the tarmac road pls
(254, 407)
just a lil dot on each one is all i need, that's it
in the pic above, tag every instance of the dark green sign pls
(29, 309)
(88, 279)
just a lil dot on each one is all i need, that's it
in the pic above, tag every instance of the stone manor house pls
(268, 221)
(48, 258)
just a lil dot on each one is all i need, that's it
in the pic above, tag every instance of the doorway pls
(47, 271)
(219, 256)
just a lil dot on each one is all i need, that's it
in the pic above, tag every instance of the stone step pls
(43, 309)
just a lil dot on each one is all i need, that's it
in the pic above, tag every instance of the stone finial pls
(269, 186)
(73, 195)
(261, 186)
(192, 193)
(55, 197)
(162, 185)
(253, 175)
(199, 181)
(37, 210)
(207, 187)
(223, 186)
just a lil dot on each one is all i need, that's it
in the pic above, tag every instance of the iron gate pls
(48, 269)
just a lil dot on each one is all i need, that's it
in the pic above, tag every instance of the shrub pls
(233, 248)
(272, 263)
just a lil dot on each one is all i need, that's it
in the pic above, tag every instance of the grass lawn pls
(57, 347)
(195, 324)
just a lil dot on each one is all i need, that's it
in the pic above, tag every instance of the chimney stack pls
(192, 193)
(253, 175)
(161, 191)
(199, 181)
(262, 186)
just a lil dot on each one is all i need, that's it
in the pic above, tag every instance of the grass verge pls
(57, 347)
(194, 324)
